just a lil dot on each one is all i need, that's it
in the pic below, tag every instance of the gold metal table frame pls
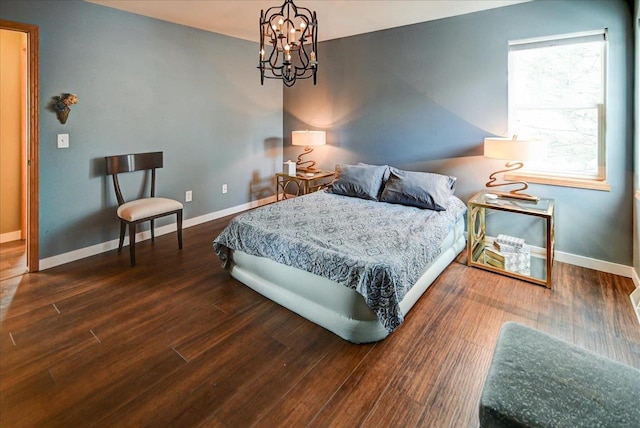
(301, 183)
(478, 239)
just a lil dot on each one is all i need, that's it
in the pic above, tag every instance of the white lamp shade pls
(308, 138)
(512, 149)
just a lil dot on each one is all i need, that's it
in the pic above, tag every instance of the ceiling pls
(336, 18)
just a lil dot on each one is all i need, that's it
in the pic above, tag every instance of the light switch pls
(63, 141)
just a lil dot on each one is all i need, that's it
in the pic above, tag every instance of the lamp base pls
(517, 196)
(310, 165)
(307, 169)
(514, 194)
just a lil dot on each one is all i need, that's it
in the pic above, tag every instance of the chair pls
(145, 209)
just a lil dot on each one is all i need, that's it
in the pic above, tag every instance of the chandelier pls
(288, 44)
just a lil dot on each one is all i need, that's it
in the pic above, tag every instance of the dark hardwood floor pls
(13, 259)
(175, 341)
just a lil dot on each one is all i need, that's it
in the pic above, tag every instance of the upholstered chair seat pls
(147, 207)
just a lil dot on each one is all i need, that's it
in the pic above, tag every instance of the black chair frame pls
(138, 162)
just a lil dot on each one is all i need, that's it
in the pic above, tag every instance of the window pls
(557, 96)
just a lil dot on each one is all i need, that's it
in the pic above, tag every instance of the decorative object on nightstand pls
(514, 151)
(308, 139)
(515, 254)
(506, 254)
(301, 183)
(288, 44)
(289, 168)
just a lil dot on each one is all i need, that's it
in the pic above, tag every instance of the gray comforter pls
(375, 248)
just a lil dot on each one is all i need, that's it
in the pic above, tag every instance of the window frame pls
(599, 180)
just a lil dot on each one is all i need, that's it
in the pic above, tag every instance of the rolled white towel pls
(510, 241)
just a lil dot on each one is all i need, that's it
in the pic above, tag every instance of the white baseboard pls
(81, 253)
(635, 301)
(586, 262)
(49, 262)
(10, 236)
(608, 267)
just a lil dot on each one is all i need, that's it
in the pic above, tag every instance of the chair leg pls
(153, 236)
(179, 226)
(132, 243)
(123, 229)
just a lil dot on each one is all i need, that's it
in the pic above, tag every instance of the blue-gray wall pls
(423, 97)
(145, 85)
(420, 97)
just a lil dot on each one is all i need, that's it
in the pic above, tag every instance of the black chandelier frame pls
(290, 34)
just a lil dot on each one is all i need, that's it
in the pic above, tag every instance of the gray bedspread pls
(375, 248)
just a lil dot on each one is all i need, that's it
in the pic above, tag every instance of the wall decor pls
(62, 106)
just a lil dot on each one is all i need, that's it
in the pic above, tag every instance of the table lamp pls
(308, 139)
(515, 152)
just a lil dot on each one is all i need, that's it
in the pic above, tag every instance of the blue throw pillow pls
(418, 189)
(385, 177)
(359, 181)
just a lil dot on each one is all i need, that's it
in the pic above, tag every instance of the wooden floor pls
(176, 342)
(13, 259)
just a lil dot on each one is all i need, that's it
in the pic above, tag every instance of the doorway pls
(19, 249)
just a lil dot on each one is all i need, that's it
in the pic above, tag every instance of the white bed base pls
(333, 306)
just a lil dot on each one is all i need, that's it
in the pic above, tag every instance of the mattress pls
(377, 249)
(337, 308)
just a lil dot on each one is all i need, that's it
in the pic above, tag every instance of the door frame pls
(33, 146)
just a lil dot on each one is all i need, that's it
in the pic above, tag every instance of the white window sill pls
(592, 184)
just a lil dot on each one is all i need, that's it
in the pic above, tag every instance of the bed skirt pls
(335, 307)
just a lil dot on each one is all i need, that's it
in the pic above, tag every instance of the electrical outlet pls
(224, 188)
(188, 196)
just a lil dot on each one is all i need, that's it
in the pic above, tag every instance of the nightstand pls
(302, 183)
(484, 254)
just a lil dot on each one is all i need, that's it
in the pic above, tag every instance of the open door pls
(30, 144)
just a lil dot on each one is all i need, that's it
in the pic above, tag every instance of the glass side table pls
(484, 254)
(302, 183)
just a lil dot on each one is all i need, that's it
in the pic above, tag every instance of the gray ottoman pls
(536, 380)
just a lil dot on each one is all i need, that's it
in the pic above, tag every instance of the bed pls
(353, 263)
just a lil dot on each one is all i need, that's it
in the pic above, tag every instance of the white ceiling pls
(336, 18)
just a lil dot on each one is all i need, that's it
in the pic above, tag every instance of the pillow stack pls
(392, 185)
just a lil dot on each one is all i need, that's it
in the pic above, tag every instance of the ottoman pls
(536, 380)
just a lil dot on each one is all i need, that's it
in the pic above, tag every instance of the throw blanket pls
(378, 249)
